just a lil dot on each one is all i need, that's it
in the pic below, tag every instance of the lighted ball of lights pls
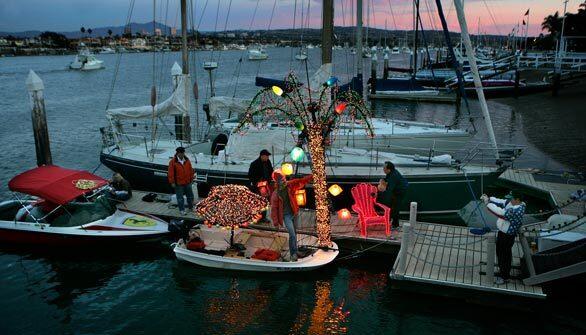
(231, 206)
(317, 111)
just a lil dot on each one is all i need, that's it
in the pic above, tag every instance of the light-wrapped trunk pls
(318, 168)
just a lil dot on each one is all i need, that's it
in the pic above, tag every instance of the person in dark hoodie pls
(260, 171)
(121, 189)
(391, 191)
(180, 175)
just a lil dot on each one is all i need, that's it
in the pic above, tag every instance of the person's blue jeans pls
(289, 224)
(186, 190)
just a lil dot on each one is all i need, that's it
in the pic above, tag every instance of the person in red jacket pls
(180, 176)
(284, 207)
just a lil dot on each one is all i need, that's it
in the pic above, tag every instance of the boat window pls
(79, 213)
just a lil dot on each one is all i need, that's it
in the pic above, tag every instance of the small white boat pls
(86, 61)
(257, 53)
(106, 50)
(395, 51)
(301, 55)
(218, 254)
(71, 208)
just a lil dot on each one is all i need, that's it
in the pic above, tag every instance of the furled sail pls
(174, 105)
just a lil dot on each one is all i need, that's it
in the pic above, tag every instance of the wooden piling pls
(36, 87)
(517, 78)
(490, 258)
(557, 77)
(386, 66)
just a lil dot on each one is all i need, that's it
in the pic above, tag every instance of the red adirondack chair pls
(364, 201)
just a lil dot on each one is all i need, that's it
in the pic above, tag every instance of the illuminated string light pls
(231, 206)
(318, 116)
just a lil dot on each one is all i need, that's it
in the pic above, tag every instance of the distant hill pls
(96, 32)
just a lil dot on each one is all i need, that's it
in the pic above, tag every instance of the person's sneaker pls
(294, 258)
(500, 281)
(183, 212)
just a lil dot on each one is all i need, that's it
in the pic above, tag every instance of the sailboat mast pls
(327, 32)
(185, 71)
(359, 47)
(184, 51)
(474, 68)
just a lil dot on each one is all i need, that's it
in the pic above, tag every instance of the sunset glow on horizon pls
(493, 16)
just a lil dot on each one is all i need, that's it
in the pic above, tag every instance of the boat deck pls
(559, 193)
(452, 256)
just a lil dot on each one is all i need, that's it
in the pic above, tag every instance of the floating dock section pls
(452, 256)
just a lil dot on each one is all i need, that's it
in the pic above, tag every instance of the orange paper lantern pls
(300, 197)
(344, 214)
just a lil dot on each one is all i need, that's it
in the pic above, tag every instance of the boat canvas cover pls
(222, 107)
(174, 105)
(53, 183)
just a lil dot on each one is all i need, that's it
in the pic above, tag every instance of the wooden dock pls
(558, 193)
(452, 256)
(346, 233)
(163, 209)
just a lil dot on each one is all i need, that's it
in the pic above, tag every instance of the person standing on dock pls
(180, 175)
(392, 190)
(510, 213)
(260, 172)
(284, 208)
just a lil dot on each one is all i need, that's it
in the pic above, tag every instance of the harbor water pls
(148, 291)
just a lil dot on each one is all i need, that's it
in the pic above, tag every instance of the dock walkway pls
(452, 256)
(163, 209)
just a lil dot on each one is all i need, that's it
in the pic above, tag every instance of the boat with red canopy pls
(64, 207)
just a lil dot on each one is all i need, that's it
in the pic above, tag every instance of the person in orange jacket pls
(284, 208)
(180, 175)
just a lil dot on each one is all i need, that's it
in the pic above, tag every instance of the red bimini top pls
(56, 184)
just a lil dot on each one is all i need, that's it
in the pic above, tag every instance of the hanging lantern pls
(287, 169)
(340, 107)
(299, 125)
(277, 90)
(335, 190)
(297, 154)
(344, 214)
(301, 197)
(332, 81)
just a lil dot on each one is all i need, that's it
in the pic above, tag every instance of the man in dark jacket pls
(260, 170)
(391, 191)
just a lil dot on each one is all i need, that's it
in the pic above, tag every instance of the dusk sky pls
(496, 16)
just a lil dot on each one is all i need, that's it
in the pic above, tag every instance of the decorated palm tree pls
(316, 114)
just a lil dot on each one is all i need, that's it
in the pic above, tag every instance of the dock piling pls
(527, 254)
(413, 213)
(407, 232)
(36, 87)
(490, 257)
